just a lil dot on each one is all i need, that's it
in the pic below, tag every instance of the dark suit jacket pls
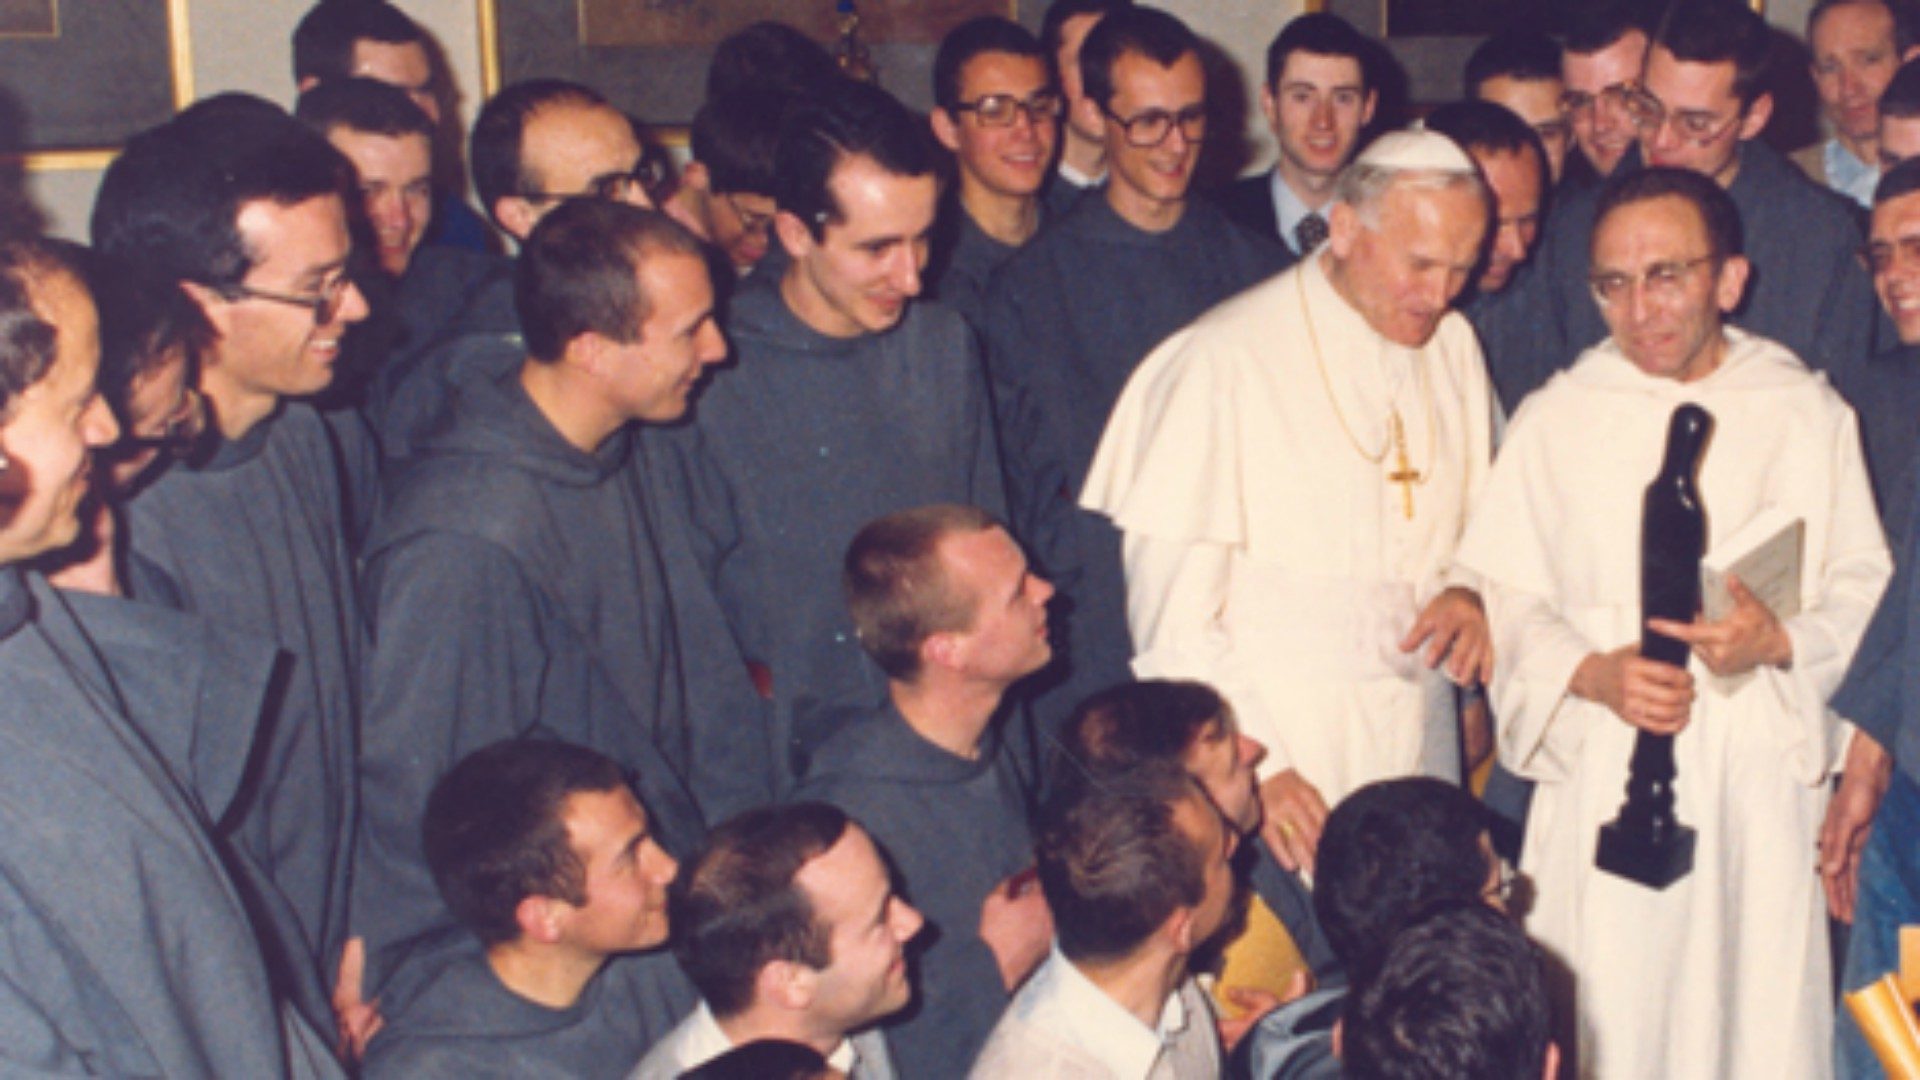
(1249, 202)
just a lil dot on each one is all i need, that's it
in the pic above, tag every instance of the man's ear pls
(946, 129)
(542, 919)
(1091, 117)
(1177, 929)
(1757, 116)
(1339, 1038)
(1366, 110)
(1270, 105)
(1343, 228)
(211, 304)
(307, 84)
(697, 176)
(1733, 282)
(942, 648)
(794, 234)
(789, 985)
(516, 215)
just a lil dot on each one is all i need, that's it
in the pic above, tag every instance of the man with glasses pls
(1724, 973)
(997, 109)
(1599, 62)
(1857, 46)
(244, 209)
(1317, 98)
(1291, 472)
(1701, 103)
(725, 193)
(1072, 313)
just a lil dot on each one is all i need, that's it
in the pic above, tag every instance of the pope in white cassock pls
(1291, 473)
(1725, 972)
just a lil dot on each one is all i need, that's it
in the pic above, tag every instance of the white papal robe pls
(1267, 553)
(1725, 972)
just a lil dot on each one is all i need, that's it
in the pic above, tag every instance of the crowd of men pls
(943, 595)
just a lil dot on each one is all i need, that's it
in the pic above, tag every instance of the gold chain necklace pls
(1403, 473)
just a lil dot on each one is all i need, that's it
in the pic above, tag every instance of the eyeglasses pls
(180, 429)
(1551, 131)
(646, 174)
(1002, 110)
(1152, 127)
(1579, 102)
(1698, 128)
(751, 221)
(324, 304)
(1662, 281)
(1881, 256)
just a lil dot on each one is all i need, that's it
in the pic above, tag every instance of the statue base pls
(1655, 862)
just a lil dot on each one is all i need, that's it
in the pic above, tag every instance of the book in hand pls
(1765, 554)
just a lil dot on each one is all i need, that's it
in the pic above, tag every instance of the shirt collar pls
(1848, 174)
(1077, 178)
(1097, 1024)
(1288, 210)
(707, 1042)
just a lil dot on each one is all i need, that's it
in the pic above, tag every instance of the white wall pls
(247, 45)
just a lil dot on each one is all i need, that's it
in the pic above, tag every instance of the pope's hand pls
(1454, 628)
(1295, 814)
(1750, 635)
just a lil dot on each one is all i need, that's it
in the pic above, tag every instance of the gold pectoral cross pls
(1403, 473)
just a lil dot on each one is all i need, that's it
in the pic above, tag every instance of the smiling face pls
(1147, 183)
(1895, 239)
(264, 348)
(396, 188)
(50, 429)
(1603, 132)
(1853, 61)
(1316, 109)
(1702, 91)
(627, 874)
(1668, 329)
(1402, 274)
(858, 275)
(653, 378)
(1010, 161)
(868, 927)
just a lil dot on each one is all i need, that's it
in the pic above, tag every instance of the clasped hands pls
(1658, 697)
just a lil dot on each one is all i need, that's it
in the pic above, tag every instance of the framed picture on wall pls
(651, 59)
(78, 77)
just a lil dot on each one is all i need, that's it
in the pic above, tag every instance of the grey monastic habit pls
(794, 447)
(255, 539)
(1068, 319)
(964, 260)
(520, 587)
(127, 949)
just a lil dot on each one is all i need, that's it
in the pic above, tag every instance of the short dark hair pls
(735, 137)
(1720, 32)
(772, 57)
(851, 118)
(368, 106)
(498, 168)
(1321, 33)
(579, 272)
(1460, 995)
(897, 592)
(1904, 13)
(1718, 214)
(495, 830)
(1114, 863)
(762, 1059)
(29, 344)
(1593, 25)
(324, 39)
(170, 203)
(1133, 723)
(975, 37)
(1522, 55)
(1902, 179)
(1901, 98)
(1388, 852)
(1053, 24)
(142, 320)
(1488, 128)
(734, 908)
(1141, 31)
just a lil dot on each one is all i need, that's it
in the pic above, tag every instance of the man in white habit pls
(1291, 473)
(1723, 973)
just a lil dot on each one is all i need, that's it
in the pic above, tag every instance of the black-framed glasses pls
(646, 175)
(1882, 256)
(1003, 110)
(1151, 128)
(1614, 96)
(751, 221)
(324, 304)
(1662, 281)
(1649, 115)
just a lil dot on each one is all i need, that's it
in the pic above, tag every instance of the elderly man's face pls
(1659, 288)
(1403, 272)
(1517, 183)
(1894, 252)
(1853, 61)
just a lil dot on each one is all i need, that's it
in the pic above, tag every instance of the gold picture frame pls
(94, 158)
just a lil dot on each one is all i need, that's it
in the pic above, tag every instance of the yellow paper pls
(1263, 957)
(1886, 1019)
(1910, 963)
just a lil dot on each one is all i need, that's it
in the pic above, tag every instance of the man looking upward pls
(1857, 46)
